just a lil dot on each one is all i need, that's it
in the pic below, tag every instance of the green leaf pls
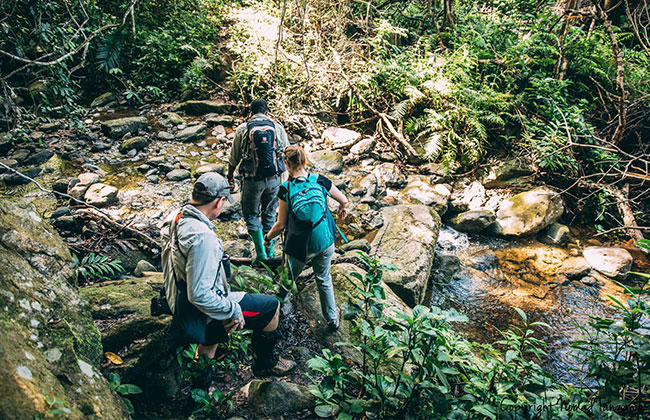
(521, 313)
(486, 410)
(325, 411)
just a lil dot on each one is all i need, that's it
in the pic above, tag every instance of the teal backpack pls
(310, 225)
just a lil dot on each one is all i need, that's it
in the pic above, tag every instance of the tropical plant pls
(123, 389)
(95, 266)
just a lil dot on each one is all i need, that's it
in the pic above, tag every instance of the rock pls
(88, 178)
(275, 398)
(472, 221)
(100, 146)
(219, 168)
(39, 157)
(206, 107)
(408, 240)
(237, 248)
(142, 266)
(101, 195)
(134, 143)
(50, 127)
(21, 155)
(170, 118)
(358, 244)
(387, 174)
(363, 147)
(193, 133)
(309, 303)
(527, 213)
(471, 197)
(420, 191)
(6, 143)
(103, 99)
(327, 161)
(574, 268)
(506, 173)
(589, 281)
(15, 179)
(215, 119)
(445, 268)
(49, 346)
(178, 175)
(117, 128)
(12, 163)
(554, 234)
(612, 262)
(340, 138)
(61, 185)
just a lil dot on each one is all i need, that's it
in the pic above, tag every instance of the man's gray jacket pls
(196, 259)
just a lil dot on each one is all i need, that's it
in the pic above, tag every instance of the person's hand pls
(234, 324)
(231, 183)
(342, 212)
(267, 241)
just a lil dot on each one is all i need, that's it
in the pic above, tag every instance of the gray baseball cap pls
(209, 186)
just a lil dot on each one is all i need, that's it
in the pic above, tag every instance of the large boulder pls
(612, 262)
(49, 346)
(327, 161)
(389, 175)
(472, 221)
(507, 173)
(275, 398)
(309, 304)
(206, 107)
(420, 191)
(101, 195)
(117, 128)
(134, 143)
(340, 138)
(219, 168)
(103, 99)
(193, 133)
(528, 212)
(408, 240)
(178, 175)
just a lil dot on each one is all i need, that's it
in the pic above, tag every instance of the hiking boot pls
(333, 324)
(281, 368)
(258, 241)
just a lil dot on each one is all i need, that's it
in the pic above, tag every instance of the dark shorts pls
(258, 310)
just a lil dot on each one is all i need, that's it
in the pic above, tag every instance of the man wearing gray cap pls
(196, 275)
(258, 146)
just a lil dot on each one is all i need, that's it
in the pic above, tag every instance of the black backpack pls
(261, 157)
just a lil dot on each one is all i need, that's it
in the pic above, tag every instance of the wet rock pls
(165, 136)
(142, 266)
(193, 133)
(469, 197)
(327, 161)
(49, 345)
(574, 268)
(504, 174)
(340, 138)
(420, 191)
(589, 281)
(408, 240)
(103, 99)
(206, 107)
(21, 154)
(363, 147)
(445, 267)
(387, 174)
(6, 143)
(554, 234)
(134, 143)
(117, 128)
(309, 303)
(527, 213)
(15, 179)
(168, 119)
(612, 262)
(39, 157)
(215, 119)
(100, 146)
(178, 175)
(101, 195)
(61, 185)
(358, 244)
(275, 398)
(472, 221)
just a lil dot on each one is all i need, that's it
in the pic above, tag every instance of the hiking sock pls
(258, 240)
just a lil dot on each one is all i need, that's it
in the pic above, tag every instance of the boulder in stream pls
(117, 128)
(202, 107)
(612, 262)
(327, 161)
(49, 346)
(472, 221)
(528, 212)
(408, 240)
(101, 195)
(134, 143)
(340, 138)
(193, 133)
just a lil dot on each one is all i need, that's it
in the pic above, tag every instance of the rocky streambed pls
(481, 243)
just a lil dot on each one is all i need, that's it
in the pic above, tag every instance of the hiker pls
(196, 272)
(303, 197)
(258, 145)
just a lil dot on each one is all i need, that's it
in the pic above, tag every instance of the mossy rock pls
(117, 128)
(528, 213)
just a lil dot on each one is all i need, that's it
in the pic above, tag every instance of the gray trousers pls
(260, 196)
(321, 263)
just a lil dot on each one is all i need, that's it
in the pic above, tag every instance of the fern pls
(94, 266)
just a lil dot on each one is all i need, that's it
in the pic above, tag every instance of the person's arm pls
(202, 267)
(283, 143)
(281, 221)
(341, 199)
(235, 155)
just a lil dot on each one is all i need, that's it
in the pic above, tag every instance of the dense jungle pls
(494, 156)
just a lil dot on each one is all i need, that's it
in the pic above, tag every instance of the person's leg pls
(321, 263)
(269, 206)
(250, 205)
(295, 267)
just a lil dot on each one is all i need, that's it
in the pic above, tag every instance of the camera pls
(159, 305)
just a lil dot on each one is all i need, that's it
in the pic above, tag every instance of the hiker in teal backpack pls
(309, 227)
(257, 150)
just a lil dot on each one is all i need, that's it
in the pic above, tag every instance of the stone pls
(387, 174)
(49, 346)
(134, 143)
(21, 155)
(357, 244)
(363, 147)
(219, 168)
(39, 157)
(117, 128)
(504, 174)
(408, 240)
(203, 107)
(589, 281)
(6, 143)
(100, 146)
(528, 213)
(472, 221)
(340, 138)
(88, 178)
(12, 163)
(611, 262)
(215, 119)
(61, 185)
(237, 248)
(50, 127)
(178, 175)
(420, 191)
(470, 197)
(554, 234)
(101, 195)
(142, 266)
(309, 304)
(327, 161)
(15, 179)
(276, 398)
(170, 118)
(193, 133)
(574, 268)
(165, 136)
(103, 99)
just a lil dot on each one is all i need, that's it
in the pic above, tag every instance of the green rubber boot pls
(258, 240)
(269, 250)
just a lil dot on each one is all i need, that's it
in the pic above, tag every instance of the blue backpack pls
(310, 225)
